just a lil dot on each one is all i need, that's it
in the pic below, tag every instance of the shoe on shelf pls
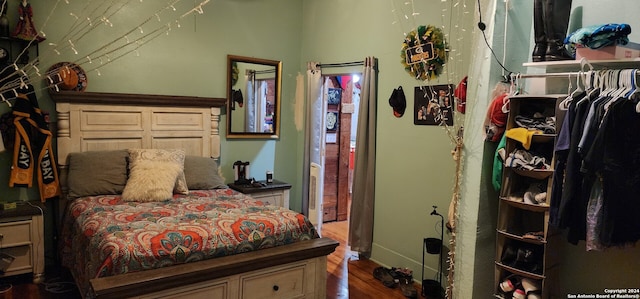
(534, 236)
(406, 285)
(382, 274)
(531, 288)
(557, 51)
(510, 283)
(519, 294)
(508, 255)
(525, 259)
(536, 194)
(539, 52)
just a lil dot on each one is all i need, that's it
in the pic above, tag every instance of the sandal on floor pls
(408, 290)
(382, 274)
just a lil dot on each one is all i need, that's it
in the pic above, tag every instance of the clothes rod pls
(544, 75)
(353, 63)
(260, 72)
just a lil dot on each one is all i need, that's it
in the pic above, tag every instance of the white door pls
(316, 112)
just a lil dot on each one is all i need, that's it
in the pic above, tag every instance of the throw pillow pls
(96, 173)
(153, 174)
(202, 173)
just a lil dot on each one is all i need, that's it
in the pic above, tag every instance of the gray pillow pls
(97, 173)
(201, 173)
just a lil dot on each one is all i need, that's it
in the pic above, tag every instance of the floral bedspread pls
(105, 236)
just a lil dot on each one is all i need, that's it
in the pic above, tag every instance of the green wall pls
(414, 166)
(190, 60)
(415, 169)
(579, 272)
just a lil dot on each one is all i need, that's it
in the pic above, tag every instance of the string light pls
(450, 11)
(109, 51)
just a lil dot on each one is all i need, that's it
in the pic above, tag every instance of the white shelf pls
(564, 65)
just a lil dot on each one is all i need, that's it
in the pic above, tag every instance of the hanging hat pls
(67, 76)
(461, 95)
(398, 102)
(236, 96)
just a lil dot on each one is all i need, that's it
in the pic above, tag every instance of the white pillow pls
(154, 174)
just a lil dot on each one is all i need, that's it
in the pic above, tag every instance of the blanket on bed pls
(104, 236)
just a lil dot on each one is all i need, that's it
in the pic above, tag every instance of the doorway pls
(342, 103)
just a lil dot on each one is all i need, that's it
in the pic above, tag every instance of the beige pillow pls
(153, 174)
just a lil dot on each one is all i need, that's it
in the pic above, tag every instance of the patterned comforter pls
(105, 236)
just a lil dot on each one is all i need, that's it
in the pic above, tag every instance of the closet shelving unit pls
(515, 218)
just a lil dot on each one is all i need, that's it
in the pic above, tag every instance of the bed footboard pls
(294, 270)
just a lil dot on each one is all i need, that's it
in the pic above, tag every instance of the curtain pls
(261, 107)
(362, 199)
(250, 102)
(312, 138)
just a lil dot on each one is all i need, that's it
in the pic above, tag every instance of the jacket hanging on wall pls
(32, 149)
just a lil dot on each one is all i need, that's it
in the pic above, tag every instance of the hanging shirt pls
(620, 168)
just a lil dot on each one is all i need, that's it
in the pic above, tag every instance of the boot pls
(556, 18)
(557, 51)
(539, 52)
(540, 38)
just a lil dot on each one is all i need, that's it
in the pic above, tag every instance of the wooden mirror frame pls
(234, 73)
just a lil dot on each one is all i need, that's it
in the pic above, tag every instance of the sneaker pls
(408, 290)
(536, 194)
(382, 274)
(519, 294)
(398, 273)
(532, 288)
(509, 284)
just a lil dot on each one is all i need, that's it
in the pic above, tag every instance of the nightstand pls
(276, 193)
(22, 236)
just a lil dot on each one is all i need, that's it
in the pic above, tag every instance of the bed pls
(202, 240)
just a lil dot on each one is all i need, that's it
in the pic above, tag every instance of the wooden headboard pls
(90, 121)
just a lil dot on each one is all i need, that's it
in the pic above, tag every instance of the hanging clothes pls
(562, 148)
(569, 216)
(597, 170)
(33, 151)
(617, 160)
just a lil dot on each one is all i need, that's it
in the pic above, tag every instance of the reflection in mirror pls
(253, 97)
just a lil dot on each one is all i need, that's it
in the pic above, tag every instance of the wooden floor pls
(351, 277)
(347, 276)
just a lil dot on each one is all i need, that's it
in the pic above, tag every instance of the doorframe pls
(346, 111)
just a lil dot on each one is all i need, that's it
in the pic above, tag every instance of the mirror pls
(253, 97)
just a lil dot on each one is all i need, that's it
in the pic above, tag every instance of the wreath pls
(424, 52)
(234, 73)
